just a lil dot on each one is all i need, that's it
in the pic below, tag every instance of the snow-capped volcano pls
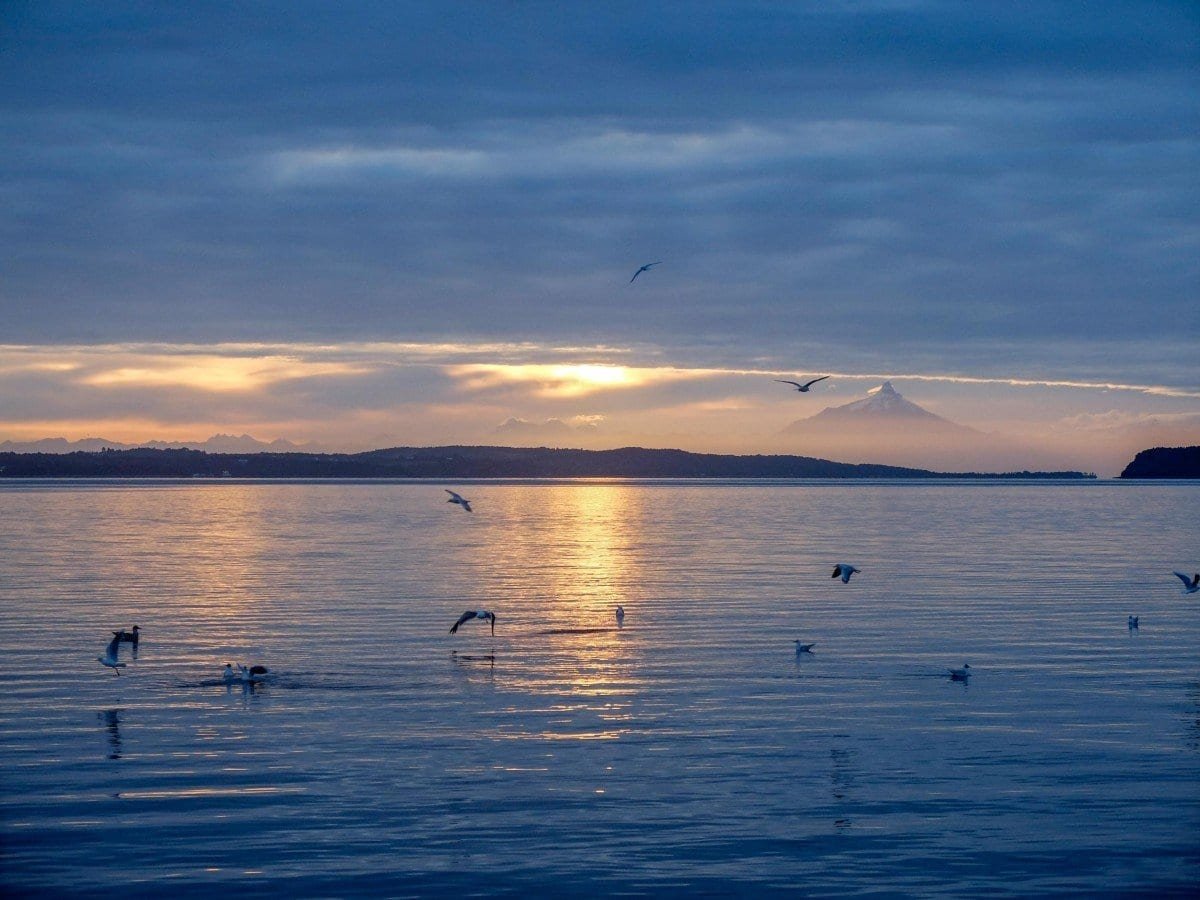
(884, 408)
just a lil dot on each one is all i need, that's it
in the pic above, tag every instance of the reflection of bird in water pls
(620, 617)
(111, 656)
(1190, 585)
(127, 637)
(803, 648)
(472, 666)
(844, 571)
(802, 388)
(475, 614)
(960, 674)
(459, 499)
(112, 721)
(1133, 622)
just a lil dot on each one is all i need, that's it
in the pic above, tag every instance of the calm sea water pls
(690, 752)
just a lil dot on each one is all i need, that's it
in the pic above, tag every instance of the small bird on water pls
(803, 388)
(1190, 585)
(475, 614)
(1133, 620)
(960, 674)
(803, 648)
(844, 571)
(111, 657)
(128, 637)
(459, 499)
(646, 268)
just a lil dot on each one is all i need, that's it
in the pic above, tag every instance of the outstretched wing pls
(1187, 582)
(465, 617)
(796, 383)
(815, 380)
(113, 648)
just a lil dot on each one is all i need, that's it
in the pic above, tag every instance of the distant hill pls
(1165, 462)
(452, 463)
(884, 408)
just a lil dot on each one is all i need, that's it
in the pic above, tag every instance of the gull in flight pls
(645, 268)
(802, 388)
(844, 571)
(475, 614)
(803, 648)
(1190, 585)
(960, 674)
(459, 499)
(111, 658)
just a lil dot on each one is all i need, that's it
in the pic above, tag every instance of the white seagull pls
(960, 674)
(111, 658)
(803, 648)
(646, 268)
(1190, 585)
(620, 617)
(475, 614)
(844, 571)
(459, 499)
(803, 388)
(252, 675)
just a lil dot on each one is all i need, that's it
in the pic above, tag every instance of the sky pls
(376, 224)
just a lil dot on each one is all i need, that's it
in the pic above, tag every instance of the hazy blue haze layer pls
(692, 751)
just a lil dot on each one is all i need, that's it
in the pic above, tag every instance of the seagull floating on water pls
(252, 675)
(459, 499)
(803, 388)
(1190, 585)
(844, 571)
(111, 657)
(646, 268)
(129, 637)
(803, 648)
(1133, 622)
(475, 614)
(960, 674)
(620, 617)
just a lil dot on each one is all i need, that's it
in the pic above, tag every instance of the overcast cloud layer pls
(933, 177)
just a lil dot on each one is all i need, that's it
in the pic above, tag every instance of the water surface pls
(691, 751)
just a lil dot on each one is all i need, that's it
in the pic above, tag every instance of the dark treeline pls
(1165, 462)
(455, 462)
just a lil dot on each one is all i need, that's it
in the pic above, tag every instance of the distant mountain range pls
(218, 443)
(449, 463)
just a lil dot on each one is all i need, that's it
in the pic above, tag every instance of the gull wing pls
(1187, 582)
(815, 380)
(465, 617)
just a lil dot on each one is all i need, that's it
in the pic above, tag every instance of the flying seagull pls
(960, 674)
(803, 388)
(645, 268)
(1190, 585)
(475, 614)
(844, 571)
(459, 499)
(111, 658)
